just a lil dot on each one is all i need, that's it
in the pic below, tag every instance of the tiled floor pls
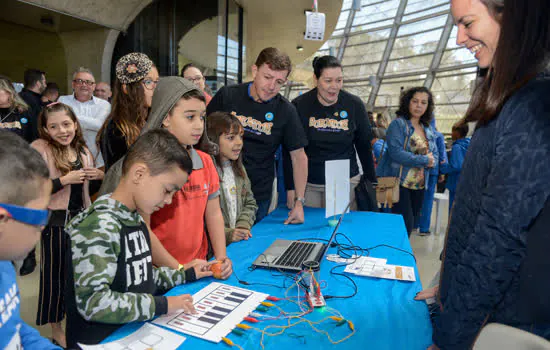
(426, 250)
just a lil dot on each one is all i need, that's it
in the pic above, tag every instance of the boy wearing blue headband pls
(25, 189)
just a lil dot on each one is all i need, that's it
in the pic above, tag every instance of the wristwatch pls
(300, 199)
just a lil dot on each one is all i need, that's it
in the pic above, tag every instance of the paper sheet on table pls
(337, 187)
(391, 272)
(364, 265)
(148, 337)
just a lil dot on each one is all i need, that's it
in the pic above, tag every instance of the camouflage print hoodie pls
(111, 278)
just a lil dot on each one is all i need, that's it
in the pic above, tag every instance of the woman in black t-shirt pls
(336, 125)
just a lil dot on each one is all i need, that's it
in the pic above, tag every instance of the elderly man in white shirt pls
(90, 110)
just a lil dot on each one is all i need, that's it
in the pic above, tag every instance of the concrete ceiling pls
(282, 24)
(116, 14)
(268, 23)
(40, 18)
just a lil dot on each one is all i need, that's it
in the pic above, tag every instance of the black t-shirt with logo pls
(335, 132)
(266, 126)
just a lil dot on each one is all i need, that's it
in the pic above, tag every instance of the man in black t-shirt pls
(269, 120)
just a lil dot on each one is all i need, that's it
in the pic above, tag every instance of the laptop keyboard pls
(295, 254)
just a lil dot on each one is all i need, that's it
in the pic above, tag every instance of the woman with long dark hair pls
(136, 80)
(494, 232)
(411, 149)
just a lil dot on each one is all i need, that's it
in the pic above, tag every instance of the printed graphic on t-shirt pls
(15, 342)
(192, 191)
(329, 124)
(8, 304)
(10, 125)
(255, 126)
(138, 259)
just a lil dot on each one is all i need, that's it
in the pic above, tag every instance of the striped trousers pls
(51, 301)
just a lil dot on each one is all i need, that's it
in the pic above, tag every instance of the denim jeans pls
(426, 215)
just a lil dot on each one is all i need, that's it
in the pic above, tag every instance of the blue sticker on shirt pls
(343, 114)
(269, 116)
(24, 120)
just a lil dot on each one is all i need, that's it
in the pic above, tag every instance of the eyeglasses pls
(81, 82)
(150, 84)
(29, 216)
(195, 79)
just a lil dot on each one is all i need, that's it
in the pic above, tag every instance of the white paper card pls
(364, 265)
(392, 272)
(315, 26)
(146, 338)
(337, 187)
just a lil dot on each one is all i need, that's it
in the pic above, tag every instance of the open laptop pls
(289, 255)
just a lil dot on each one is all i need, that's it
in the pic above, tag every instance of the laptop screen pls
(333, 234)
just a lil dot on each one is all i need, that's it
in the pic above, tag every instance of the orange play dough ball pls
(217, 270)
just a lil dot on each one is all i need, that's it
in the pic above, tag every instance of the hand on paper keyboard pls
(181, 302)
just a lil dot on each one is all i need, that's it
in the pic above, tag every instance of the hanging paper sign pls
(315, 26)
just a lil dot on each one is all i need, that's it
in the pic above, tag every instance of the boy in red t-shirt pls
(181, 238)
(184, 226)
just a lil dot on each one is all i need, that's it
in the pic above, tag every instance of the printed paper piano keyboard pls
(220, 308)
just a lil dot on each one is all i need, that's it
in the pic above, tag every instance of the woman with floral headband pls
(136, 80)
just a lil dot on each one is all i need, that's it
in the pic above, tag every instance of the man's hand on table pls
(296, 215)
(290, 195)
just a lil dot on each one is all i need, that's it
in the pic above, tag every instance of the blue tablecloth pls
(383, 311)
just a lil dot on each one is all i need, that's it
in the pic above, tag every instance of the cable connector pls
(273, 298)
(251, 320)
(228, 341)
(243, 326)
(238, 332)
(265, 303)
(351, 326)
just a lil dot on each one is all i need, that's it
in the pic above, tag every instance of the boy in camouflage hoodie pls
(112, 280)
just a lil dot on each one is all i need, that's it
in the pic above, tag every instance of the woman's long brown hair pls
(129, 112)
(60, 152)
(522, 52)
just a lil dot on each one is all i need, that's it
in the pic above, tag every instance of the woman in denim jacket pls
(413, 127)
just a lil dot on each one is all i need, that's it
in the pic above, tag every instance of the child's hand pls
(240, 233)
(93, 174)
(73, 177)
(180, 302)
(227, 267)
(201, 267)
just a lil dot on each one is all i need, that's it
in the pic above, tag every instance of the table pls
(384, 312)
